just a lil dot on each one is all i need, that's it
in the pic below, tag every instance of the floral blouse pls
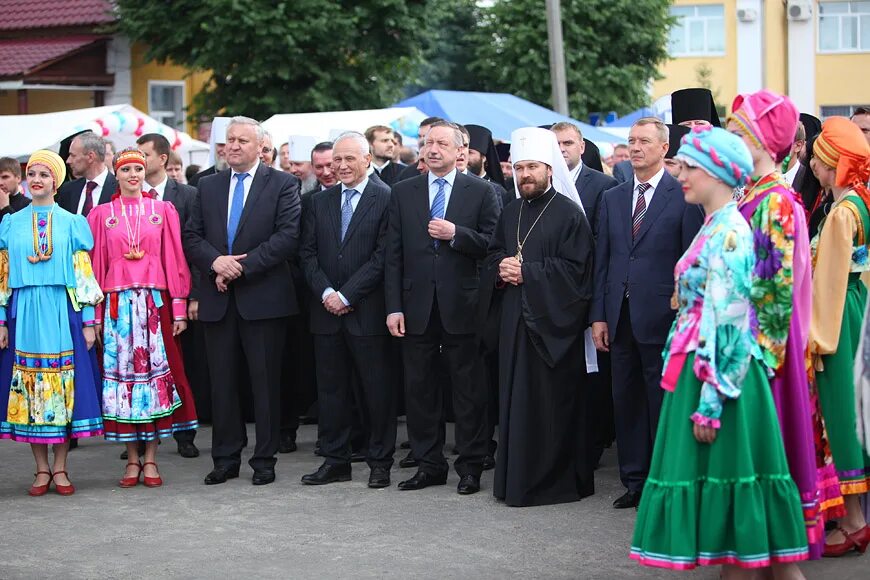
(713, 286)
(770, 207)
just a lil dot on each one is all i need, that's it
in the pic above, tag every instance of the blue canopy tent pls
(629, 119)
(501, 113)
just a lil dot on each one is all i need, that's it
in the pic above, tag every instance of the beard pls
(220, 164)
(539, 188)
(476, 168)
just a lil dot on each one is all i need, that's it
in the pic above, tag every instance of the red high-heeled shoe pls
(857, 541)
(63, 489)
(38, 490)
(151, 481)
(131, 481)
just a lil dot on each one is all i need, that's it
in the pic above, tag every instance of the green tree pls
(612, 51)
(267, 57)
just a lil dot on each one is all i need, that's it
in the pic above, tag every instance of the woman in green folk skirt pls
(719, 490)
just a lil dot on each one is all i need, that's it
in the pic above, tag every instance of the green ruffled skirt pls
(731, 502)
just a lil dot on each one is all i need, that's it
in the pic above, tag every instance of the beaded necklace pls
(43, 246)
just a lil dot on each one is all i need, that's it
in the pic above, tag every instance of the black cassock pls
(543, 455)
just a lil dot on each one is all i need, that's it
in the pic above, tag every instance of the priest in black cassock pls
(539, 269)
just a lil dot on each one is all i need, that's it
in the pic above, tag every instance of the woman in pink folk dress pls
(140, 266)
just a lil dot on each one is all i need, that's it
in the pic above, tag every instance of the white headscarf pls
(536, 144)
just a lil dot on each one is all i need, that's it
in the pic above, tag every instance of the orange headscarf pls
(841, 145)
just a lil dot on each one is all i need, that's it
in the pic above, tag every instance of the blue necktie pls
(347, 210)
(437, 209)
(236, 208)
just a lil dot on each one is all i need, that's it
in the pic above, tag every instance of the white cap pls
(217, 136)
(536, 144)
(300, 147)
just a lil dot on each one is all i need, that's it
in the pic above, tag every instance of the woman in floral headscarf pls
(842, 164)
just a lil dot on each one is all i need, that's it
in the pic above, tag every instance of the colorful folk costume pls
(782, 292)
(48, 379)
(839, 296)
(732, 501)
(140, 265)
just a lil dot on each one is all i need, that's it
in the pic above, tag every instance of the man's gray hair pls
(93, 143)
(360, 139)
(457, 132)
(258, 128)
(661, 128)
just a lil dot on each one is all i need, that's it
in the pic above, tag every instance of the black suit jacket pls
(408, 171)
(17, 202)
(70, 193)
(416, 272)
(181, 196)
(194, 181)
(268, 233)
(590, 185)
(353, 266)
(390, 174)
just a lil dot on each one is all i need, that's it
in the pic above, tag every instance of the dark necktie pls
(152, 193)
(89, 197)
(639, 209)
(347, 210)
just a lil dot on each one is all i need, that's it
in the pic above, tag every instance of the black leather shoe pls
(263, 476)
(357, 457)
(488, 462)
(422, 480)
(187, 449)
(287, 443)
(409, 461)
(327, 473)
(379, 477)
(221, 475)
(73, 444)
(405, 445)
(124, 455)
(631, 499)
(468, 484)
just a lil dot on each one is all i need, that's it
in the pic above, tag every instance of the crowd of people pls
(697, 297)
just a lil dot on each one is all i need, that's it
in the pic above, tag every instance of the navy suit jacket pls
(268, 233)
(353, 266)
(643, 267)
(623, 171)
(70, 193)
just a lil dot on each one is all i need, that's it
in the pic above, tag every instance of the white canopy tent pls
(21, 135)
(327, 126)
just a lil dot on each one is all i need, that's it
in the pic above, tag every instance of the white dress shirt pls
(354, 201)
(648, 195)
(792, 173)
(160, 188)
(100, 180)
(575, 173)
(246, 184)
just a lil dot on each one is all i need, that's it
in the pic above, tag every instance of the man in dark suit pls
(410, 171)
(383, 147)
(94, 184)
(439, 230)
(11, 198)
(159, 185)
(342, 255)
(243, 229)
(644, 226)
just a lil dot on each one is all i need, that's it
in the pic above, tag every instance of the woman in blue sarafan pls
(48, 369)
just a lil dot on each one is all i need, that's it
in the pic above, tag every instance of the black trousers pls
(230, 343)
(196, 367)
(339, 357)
(602, 427)
(424, 398)
(637, 400)
(298, 390)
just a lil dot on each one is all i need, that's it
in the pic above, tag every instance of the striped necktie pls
(437, 209)
(639, 209)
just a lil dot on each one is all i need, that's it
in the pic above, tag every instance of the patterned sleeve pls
(725, 338)
(87, 294)
(5, 292)
(773, 276)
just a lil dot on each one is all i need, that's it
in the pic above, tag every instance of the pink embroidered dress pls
(140, 265)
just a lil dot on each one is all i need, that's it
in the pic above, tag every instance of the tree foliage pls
(612, 50)
(267, 57)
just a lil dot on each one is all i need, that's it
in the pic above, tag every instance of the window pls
(844, 26)
(698, 31)
(838, 110)
(166, 102)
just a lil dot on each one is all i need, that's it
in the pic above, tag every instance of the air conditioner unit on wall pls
(747, 14)
(799, 10)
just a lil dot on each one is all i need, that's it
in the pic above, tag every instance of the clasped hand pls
(334, 305)
(511, 271)
(442, 230)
